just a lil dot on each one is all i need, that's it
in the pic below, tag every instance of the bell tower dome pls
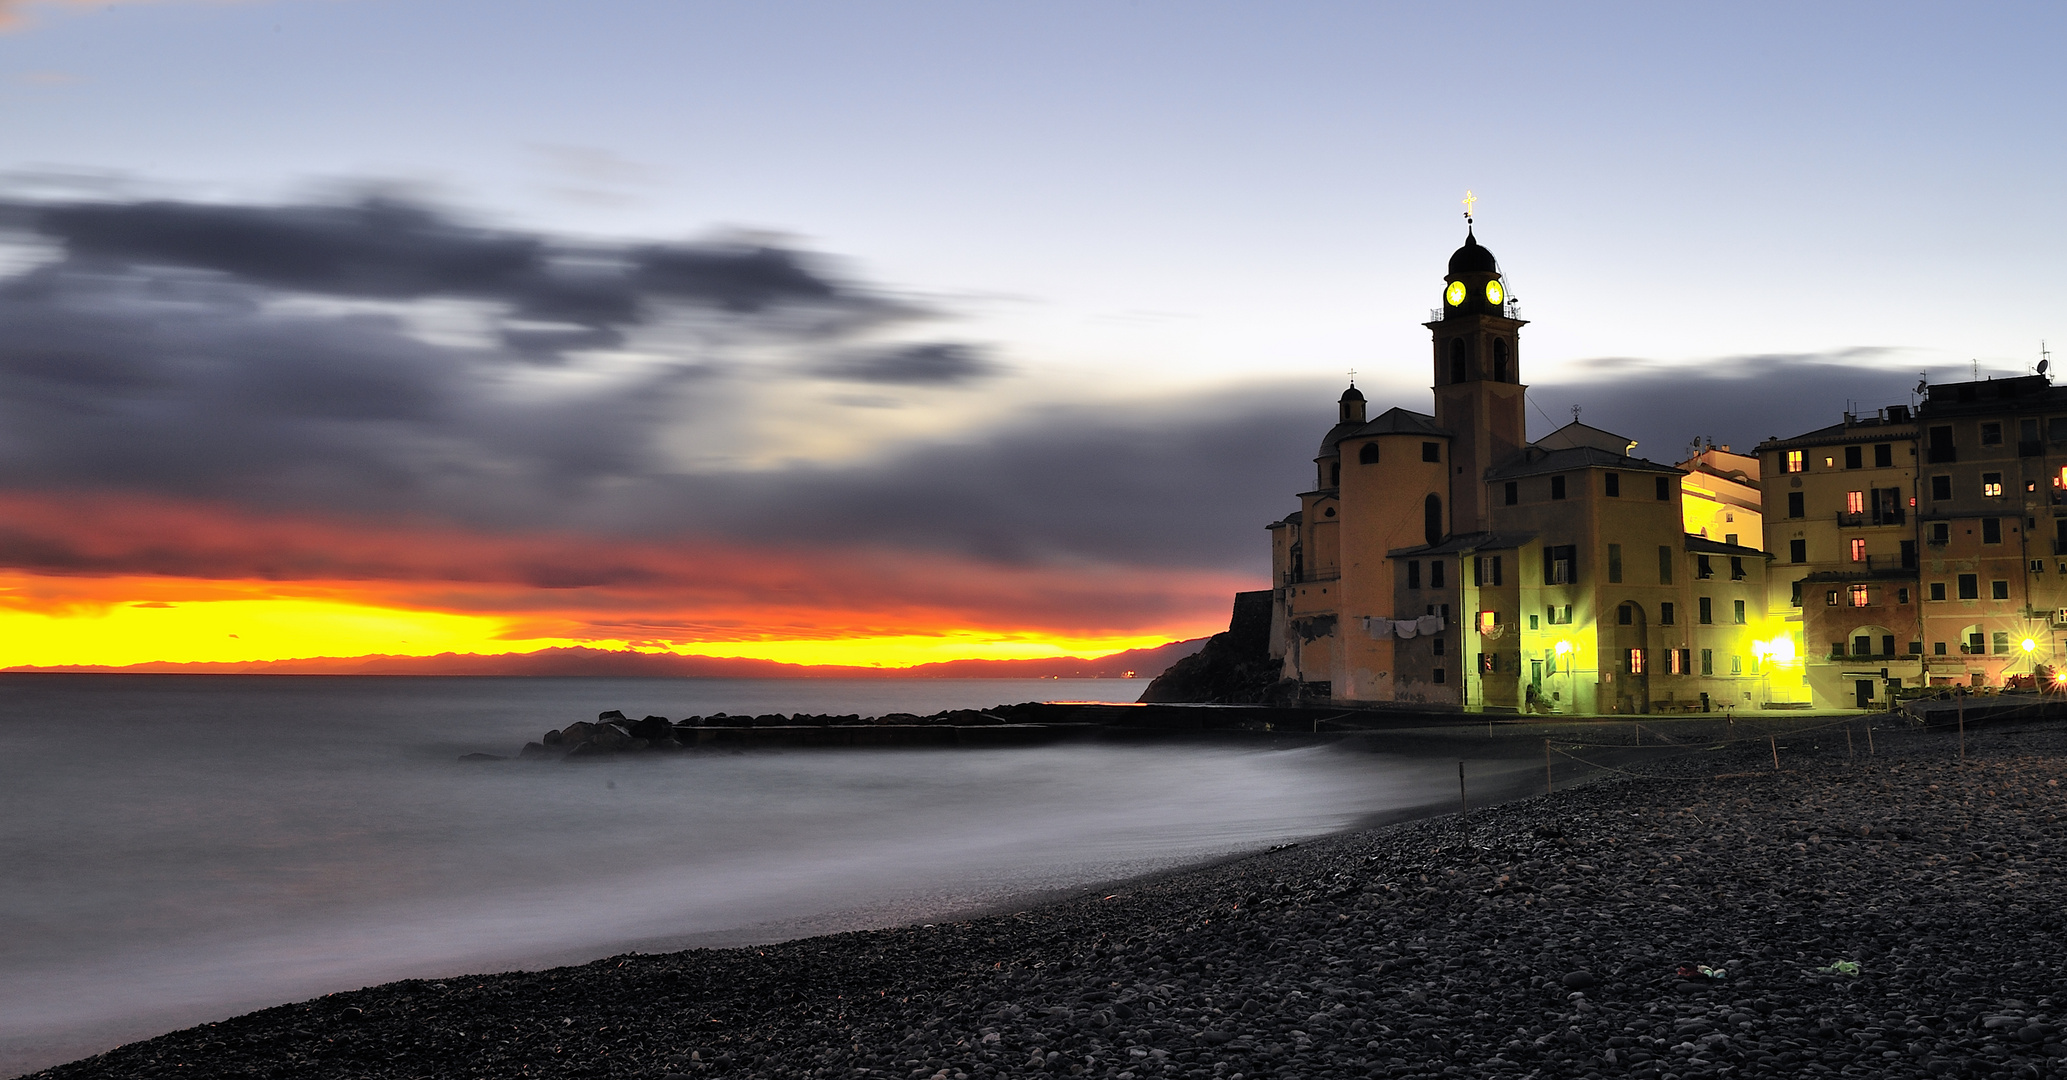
(1477, 369)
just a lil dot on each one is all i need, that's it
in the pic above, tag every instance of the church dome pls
(1352, 394)
(1473, 259)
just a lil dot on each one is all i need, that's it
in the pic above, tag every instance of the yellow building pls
(1445, 559)
(1720, 497)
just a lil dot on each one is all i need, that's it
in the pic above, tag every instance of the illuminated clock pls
(1455, 293)
(1494, 294)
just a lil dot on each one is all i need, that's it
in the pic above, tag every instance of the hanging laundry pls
(1405, 628)
(1430, 624)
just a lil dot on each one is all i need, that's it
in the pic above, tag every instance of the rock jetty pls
(1894, 915)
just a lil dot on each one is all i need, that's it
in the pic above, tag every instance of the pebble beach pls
(1693, 912)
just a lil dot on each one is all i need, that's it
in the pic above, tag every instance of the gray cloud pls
(930, 363)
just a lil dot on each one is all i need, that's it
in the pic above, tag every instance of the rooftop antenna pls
(1575, 414)
(1977, 369)
(2045, 358)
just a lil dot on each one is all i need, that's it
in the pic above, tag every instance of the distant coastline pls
(1142, 664)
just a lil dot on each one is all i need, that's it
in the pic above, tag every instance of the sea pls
(176, 849)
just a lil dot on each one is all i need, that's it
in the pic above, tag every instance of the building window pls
(1532, 623)
(1795, 506)
(1561, 564)
(1736, 568)
(1499, 360)
(1435, 574)
(1999, 641)
(1557, 487)
(1708, 661)
(1439, 676)
(1991, 530)
(1794, 461)
(1513, 492)
(1368, 455)
(1883, 455)
(1937, 590)
(1431, 451)
(1901, 596)
(1437, 645)
(1798, 551)
(1860, 597)
(1485, 570)
(1855, 502)
(1991, 484)
(1998, 590)
(1941, 488)
(1796, 598)
(1413, 573)
(1665, 613)
(1665, 561)
(1613, 485)
(1737, 611)
(1991, 434)
(1969, 586)
(1633, 660)
(1675, 662)
(1615, 562)
(1488, 663)
(1937, 648)
(1625, 615)
(1941, 533)
(1704, 611)
(1858, 549)
(1664, 489)
(1702, 569)
(1830, 598)
(1853, 457)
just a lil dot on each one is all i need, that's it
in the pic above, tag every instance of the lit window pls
(1991, 485)
(1859, 597)
(1858, 550)
(1488, 621)
(1855, 502)
(1636, 661)
(1795, 463)
(1736, 665)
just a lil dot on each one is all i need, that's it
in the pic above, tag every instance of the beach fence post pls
(1848, 742)
(1962, 727)
(1462, 805)
(1547, 789)
(1774, 742)
(1639, 733)
(1869, 738)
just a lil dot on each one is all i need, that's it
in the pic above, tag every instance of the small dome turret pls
(1473, 259)
(1352, 406)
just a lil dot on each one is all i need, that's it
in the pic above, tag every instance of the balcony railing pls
(1859, 521)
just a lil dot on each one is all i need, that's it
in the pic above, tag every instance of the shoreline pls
(1311, 956)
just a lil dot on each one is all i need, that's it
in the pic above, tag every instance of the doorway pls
(1862, 689)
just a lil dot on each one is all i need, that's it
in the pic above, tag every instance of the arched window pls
(1456, 360)
(1432, 518)
(1499, 360)
(1368, 455)
(1334, 474)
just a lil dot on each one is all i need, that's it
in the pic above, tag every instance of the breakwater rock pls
(1028, 723)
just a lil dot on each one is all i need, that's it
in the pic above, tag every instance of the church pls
(1444, 558)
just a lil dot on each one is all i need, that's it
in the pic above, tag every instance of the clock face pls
(1494, 293)
(1455, 293)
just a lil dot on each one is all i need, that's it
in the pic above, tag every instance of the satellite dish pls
(1921, 385)
(2044, 364)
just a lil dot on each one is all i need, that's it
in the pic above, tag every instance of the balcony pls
(1894, 516)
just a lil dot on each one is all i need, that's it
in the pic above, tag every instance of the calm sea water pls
(176, 849)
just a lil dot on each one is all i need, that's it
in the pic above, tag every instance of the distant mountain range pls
(1144, 664)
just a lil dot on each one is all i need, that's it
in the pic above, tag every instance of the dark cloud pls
(392, 250)
(1740, 400)
(931, 363)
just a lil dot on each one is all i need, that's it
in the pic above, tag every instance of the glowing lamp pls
(2028, 645)
(1782, 649)
(1564, 647)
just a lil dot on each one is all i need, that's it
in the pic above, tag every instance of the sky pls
(903, 332)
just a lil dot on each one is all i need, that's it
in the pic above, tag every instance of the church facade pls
(1444, 558)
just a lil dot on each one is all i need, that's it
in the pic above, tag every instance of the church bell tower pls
(1478, 387)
